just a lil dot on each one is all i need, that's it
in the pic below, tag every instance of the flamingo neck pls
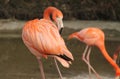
(106, 55)
(49, 11)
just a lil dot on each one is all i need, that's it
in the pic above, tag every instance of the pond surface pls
(16, 62)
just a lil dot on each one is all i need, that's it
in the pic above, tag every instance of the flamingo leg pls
(41, 68)
(86, 61)
(58, 69)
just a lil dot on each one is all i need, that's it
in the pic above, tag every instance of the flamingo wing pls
(42, 38)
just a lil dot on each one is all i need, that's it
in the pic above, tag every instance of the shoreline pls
(74, 24)
(12, 28)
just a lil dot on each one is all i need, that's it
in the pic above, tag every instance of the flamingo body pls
(43, 39)
(95, 36)
(90, 36)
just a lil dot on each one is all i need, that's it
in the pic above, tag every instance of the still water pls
(16, 62)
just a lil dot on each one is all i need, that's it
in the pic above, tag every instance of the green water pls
(16, 62)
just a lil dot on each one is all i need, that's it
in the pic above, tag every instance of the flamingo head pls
(58, 18)
(75, 35)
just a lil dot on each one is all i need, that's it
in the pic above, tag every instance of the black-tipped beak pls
(60, 31)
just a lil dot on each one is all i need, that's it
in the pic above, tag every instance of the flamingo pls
(94, 36)
(42, 38)
(116, 55)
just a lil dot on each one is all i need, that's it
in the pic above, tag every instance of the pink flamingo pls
(94, 36)
(116, 54)
(42, 38)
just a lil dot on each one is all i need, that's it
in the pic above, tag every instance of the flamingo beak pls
(59, 24)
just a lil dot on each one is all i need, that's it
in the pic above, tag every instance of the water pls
(16, 62)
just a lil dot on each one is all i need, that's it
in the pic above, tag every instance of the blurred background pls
(72, 9)
(16, 61)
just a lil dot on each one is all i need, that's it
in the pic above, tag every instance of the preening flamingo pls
(94, 36)
(43, 39)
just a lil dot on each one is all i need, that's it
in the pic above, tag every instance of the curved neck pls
(106, 55)
(49, 11)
